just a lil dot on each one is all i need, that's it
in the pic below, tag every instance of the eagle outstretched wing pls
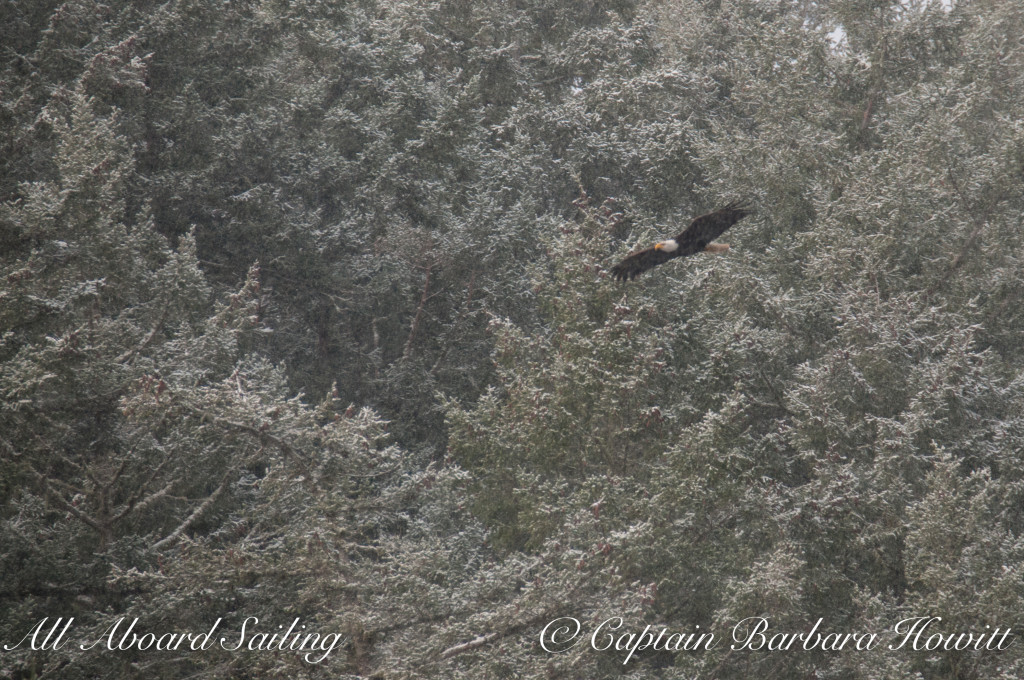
(694, 239)
(637, 263)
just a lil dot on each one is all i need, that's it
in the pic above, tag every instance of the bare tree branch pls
(471, 645)
(148, 339)
(196, 514)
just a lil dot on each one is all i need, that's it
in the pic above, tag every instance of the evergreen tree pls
(153, 467)
(824, 423)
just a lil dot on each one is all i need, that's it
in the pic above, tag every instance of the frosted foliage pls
(306, 313)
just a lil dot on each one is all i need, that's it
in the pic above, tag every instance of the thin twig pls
(415, 325)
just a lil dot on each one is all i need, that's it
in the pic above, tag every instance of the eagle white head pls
(669, 246)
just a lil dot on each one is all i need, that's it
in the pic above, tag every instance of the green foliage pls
(578, 398)
(214, 214)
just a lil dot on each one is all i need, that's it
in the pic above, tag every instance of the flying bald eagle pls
(695, 239)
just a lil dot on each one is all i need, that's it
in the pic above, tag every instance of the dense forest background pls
(305, 312)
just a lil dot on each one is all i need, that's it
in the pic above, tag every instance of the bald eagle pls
(696, 238)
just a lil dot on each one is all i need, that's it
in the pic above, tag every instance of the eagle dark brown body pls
(696, 238)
